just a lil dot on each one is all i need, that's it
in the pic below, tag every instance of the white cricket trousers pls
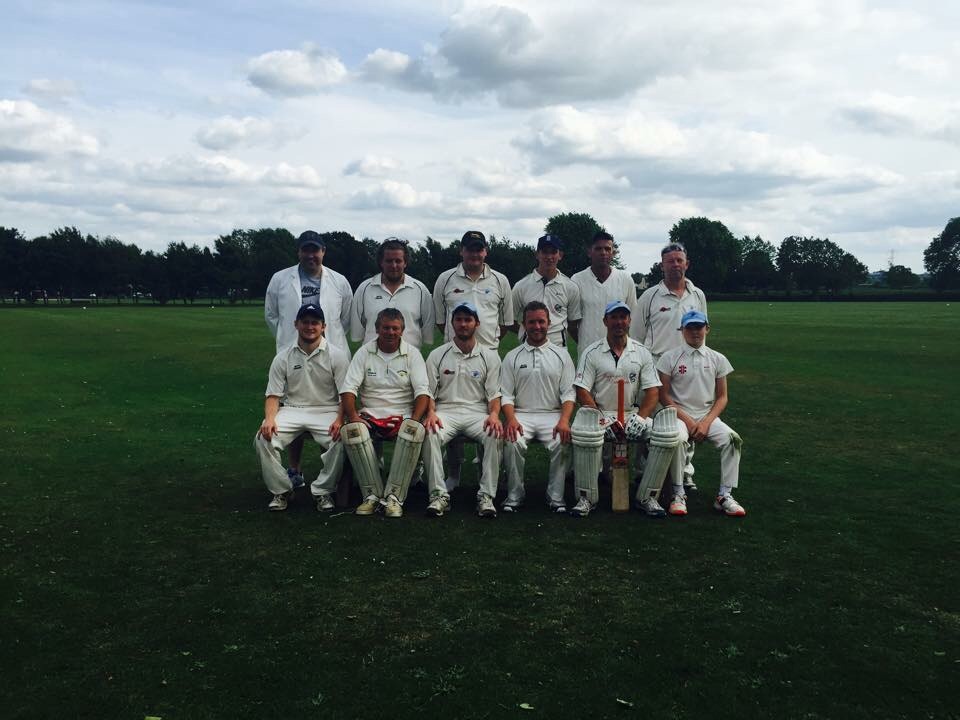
(291, 422)
(719, 435)
(536, 426)
(469, 423)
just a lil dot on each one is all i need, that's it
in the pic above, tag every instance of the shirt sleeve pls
(492, 381)
(665, 363)
(648, 373)
(724, 367)
(506, 309)
(567, 372)
(507, 381)
(517, 303)
(346, 303)
(433, 373)
(427, 316)
(418, 374)
(340, 362)
(357, 321)
(354, 376)
(439, 302)
(630, 291)
(574, 308)
(586, 372)
(277, 377)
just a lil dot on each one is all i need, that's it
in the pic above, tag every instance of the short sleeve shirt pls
(309, 380)
(656, 322)
(537, 378)
(466, 380)
(693, 374)
(561, 296)
(599, 370)
(594, 296)
(412, 298)
(386, 385)
(490, 293)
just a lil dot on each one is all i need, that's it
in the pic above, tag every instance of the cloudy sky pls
(160, 121)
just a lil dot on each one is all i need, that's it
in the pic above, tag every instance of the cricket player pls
(475, 282)
(393, 288)
(387, 381)
(546, 284)
(464, 379)
(306, 378)
(602, 364)
(601, 284)
(538, 399)
(694, 381)
(657, 321)
(307, 282)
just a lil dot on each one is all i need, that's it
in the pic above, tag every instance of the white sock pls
(678, 491)
(725, 490)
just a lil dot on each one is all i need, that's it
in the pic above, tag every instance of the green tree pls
(757, 269)
(941, 258)
(511, 258)
(713, 251)
(13, 252)
(576, 230)
(349, 256)
(900, 276)
(813, 263)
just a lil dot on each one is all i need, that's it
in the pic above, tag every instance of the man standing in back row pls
(601, 284)
(547, 285)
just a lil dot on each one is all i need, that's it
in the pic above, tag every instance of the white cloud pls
(651, 154)
(228, 132)
(905, 115)
(29, 133)
(372, 166)
(46, 89)
(223, 171)
(931, 66)
(292, 73)
(392, 194)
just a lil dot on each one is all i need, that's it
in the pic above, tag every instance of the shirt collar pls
(378, 281)
(691, 350)
(463, 273)
(539, 277)
(534, 348)
(687, 287)
(322, 347)
(404, 348)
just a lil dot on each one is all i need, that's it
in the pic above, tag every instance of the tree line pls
(65, 264)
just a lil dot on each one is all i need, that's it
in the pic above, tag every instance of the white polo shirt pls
(412, 298)
(459, 380)
(594, 296)
(599, 371)
(490, 293)
(656, 321)
(386, 383)
(693, 376)
(308, 380)
(560, 294)
(537, 378)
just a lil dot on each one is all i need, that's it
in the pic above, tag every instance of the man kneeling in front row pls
(306, 377)
(389, 378)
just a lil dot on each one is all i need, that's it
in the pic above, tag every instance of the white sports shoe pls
(369, 506)
(485, 506)
(278, 503)
(689, 485)
(582, 508)
(392, 507)
(728, 506)
(678, 506)
(438, 506)
(651, 508)
(558, 509)
(325, 503)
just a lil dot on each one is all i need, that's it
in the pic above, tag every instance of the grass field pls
(142, 575)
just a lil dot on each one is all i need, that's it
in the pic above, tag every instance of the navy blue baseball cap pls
(551, 241)
(309, 237)
(311, 309)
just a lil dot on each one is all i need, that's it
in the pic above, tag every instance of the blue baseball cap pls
(467, 307)
(693, 316)
(311, 309)
(615, 305)
(551, 240)
(309, 237)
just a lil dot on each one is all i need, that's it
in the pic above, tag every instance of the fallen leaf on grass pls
(526, 706)
(624, 703)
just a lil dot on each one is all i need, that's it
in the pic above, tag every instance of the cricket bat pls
(620, 485)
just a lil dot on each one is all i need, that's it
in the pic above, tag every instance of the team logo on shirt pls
(378, 297)
(557, 307)
(475, 373)
(298, 367)
(447, 371)
(682, 369)
(457, 290)
(522, 366)
(633, 377)
(402, 373)
(487, 291)
(371, 372)
(664, 309)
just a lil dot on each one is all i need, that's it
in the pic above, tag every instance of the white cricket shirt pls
(386, 385)
(308, 380)
(463, 380)
(656, 322)
(537, 379)
(599, 371)
(412, 298)
(560, 294)
(594, 297)
(490, 293)
(693, 376)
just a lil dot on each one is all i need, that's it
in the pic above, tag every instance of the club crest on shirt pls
(682, 369)
(371, 372)
(633, 377)
(475, 373)
(557, 307)
(664, 309)
(457, 290)
(402, 373)
(448, 371)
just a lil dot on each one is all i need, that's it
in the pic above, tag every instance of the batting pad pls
(587, 435)
(664, 438)
(406, 453)
(363, 458)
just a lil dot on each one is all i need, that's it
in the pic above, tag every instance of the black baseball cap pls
(309, 237)
(473, 239)
(311, 309)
